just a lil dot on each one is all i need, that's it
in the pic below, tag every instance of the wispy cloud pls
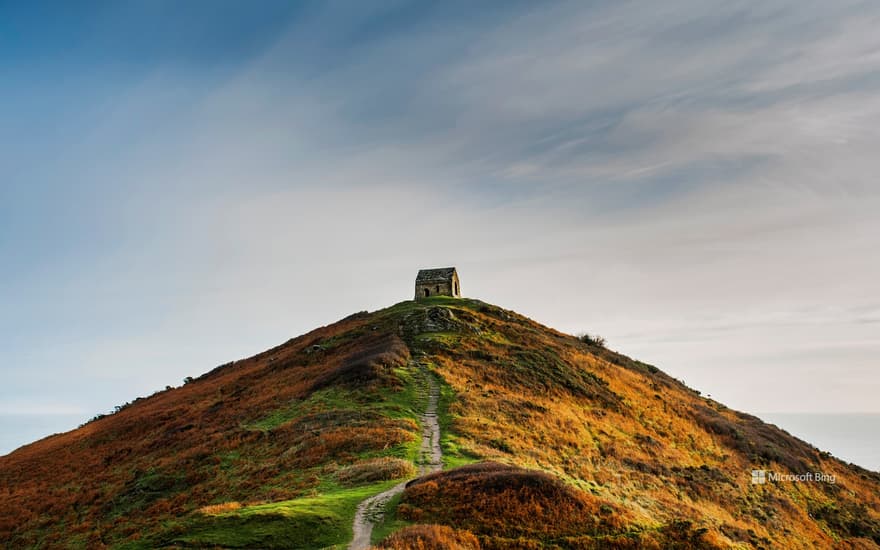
(690, 180)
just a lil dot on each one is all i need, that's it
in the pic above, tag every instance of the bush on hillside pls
(377, 469)
(505, 501)
(591, 339)
(430, 537)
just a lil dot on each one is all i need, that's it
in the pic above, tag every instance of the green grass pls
(453, 455)
(320, 521)
(227, 460)
(145, 488)
(447, 339)
(314, 521)
(325, 520)
(276, 418)
(339, 339)
(332, 398)
(390, 521)
(410, 306)
(404, 403)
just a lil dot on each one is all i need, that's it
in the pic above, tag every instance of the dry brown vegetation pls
(220, 508)
(377, 469)
(510, 507)
(495, 499)
(675, 463)
(234, 434)
(430, 537)
(601, 451)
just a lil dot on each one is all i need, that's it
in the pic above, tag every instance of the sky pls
(184, 184)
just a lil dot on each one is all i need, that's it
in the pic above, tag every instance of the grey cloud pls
(695, 181)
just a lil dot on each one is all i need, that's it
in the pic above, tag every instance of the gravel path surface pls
(371, 510)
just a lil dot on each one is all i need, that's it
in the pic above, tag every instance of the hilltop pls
(548, 441)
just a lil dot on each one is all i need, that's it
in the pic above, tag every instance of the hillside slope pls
(547, 442)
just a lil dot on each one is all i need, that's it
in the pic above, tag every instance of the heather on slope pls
(631, 435)
(276, 451)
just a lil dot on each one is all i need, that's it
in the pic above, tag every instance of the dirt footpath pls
(371, 510)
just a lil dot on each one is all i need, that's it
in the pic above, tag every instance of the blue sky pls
(188, 183)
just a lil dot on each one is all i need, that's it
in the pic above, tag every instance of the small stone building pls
(437, 282)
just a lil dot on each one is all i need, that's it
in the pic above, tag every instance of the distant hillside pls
(547, 441)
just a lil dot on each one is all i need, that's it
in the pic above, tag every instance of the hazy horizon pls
(187, 184)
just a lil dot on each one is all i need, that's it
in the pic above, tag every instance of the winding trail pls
(371, 510)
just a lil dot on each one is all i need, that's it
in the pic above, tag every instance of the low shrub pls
(378, 469)
(592, 339)
(505, 501)
(214, 509)
(430, 537)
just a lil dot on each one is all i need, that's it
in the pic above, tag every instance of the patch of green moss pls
(320, 521)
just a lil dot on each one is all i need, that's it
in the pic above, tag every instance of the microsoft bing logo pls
(761, 477)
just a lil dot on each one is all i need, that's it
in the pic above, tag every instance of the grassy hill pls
(548, 442)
